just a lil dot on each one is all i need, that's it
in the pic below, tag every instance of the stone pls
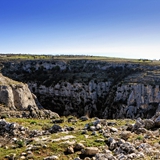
(132, 156)
(77, 158)
(121, 141)
(67, 137)
(149, 123)
(84, 118)
(111, 123)
(130, 127)
(125, 148)
(139, 124)
(87, 158)
(58, 121)
(102, 156)
(70, 150)
(23, 154)
(157, 121)
(51, 158)
(98, 126)
(79, 146)
(90, 151)
(122, 157)
(94, 133)
(111, 142)
(140, 155)
(96, 122)
(112, 129)
(72, 120)
(22, 157)
(55, 128)
(125, 135)
(92, 128)
(142, 130)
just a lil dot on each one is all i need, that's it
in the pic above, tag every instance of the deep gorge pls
(96, 88)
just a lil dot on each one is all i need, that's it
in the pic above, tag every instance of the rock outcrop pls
(94, 88)
(17, 100)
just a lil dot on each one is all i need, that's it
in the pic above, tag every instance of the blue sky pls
(114, 28)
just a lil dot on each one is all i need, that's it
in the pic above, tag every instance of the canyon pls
(97, 88)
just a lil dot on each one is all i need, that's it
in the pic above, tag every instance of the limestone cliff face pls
(77, 98)
(135, 100)
(16, 96)
(96, 88)
(129, 100)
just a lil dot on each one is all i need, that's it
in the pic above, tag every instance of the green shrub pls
(20, 143)
(33, 122)
(3, 116)
(140, 137)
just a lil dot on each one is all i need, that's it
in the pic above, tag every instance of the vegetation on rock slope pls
(89, 132)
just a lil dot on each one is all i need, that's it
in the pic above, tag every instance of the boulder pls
(125, 135)
(90, 151)
(84, 118)
(157, 121)
(55, 128)
(149, 123)
(70, 150)
(79, 146)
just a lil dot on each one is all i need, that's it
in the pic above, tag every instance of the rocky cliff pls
(96, 88)
(17, 100)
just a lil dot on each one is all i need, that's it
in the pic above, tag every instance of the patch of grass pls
(20, 143)
(3, 116)
(67, 58)
(5, 152)
(32, 124)
(140, 137)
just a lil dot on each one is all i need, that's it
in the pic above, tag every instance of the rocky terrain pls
(109, 110)
(69, 138)
(105, 89)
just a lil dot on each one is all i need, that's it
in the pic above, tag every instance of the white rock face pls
(138, 97)
(132, 100)
(74, 95)
(15, 95)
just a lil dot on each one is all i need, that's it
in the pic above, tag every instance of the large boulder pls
(90, 151)
(156, 119)
(16, 96)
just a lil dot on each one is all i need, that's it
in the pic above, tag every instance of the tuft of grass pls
(20, 143)
(140, 137)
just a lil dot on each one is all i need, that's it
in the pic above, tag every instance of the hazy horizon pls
(126, 28)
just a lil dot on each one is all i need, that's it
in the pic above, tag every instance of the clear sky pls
(114, 28)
